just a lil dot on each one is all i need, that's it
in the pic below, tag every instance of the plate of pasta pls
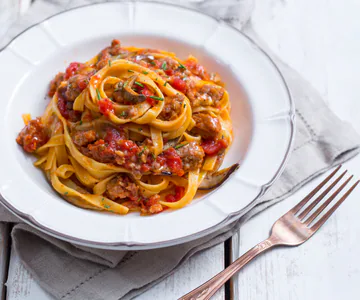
(128, 135)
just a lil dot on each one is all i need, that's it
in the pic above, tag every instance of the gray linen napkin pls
(70, 271)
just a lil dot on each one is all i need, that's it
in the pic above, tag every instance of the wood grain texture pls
(199, 268)
(4, 255)
(20, 284)
(195, 272)
(325, 267)
(317, 39)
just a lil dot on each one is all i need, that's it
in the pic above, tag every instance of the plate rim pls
(230, 218)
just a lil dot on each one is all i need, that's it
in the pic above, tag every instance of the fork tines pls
(305, 215)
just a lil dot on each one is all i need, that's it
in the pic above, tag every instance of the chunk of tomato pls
(169, 72)
(72, 69)
(106, 107)
(148, 93)
(212, 147)
(145, 168)
(179, 193)
(179, 84)
(129, 147)
(173, 161)
(170, 198)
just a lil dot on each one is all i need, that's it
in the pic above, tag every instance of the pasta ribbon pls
(131, 129)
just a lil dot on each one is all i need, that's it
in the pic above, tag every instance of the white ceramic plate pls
(262, 114)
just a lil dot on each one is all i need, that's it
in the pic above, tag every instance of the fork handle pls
(209, 288)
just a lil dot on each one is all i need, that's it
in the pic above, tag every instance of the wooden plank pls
(4, 255)
(325, 267)
(20, 284)
(199, 268)
(316, 38)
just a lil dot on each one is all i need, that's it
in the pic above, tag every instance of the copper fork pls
(292, 229)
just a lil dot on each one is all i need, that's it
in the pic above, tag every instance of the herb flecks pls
(123, 113)
(66, 193)
(163, 66)
(165, 83)
(109, 62)
(153, 155)
(153, 63)
(131, 71)
(157, 98)
(98, 94)
(144, 72)
(142, 151)
(181, 66)
(139, 84)
(180, 145)
(80, 123)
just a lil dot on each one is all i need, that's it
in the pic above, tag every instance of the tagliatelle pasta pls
(132, 129)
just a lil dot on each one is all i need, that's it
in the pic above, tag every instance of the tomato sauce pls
(72, 69)
(146, 92)
(170, 158)
(95, 79)
(32, 136)
(179, 193)
(106, 107)
(199, 70)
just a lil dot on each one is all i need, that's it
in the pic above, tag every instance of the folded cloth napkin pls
(69, 271)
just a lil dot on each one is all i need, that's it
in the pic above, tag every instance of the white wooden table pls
(320, 39)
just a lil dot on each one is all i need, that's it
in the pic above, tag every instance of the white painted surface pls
(20, 284)
(317, 38)
(325, 267)
(320, 40)
(195, 272)
(4, 250)
(199, 268)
